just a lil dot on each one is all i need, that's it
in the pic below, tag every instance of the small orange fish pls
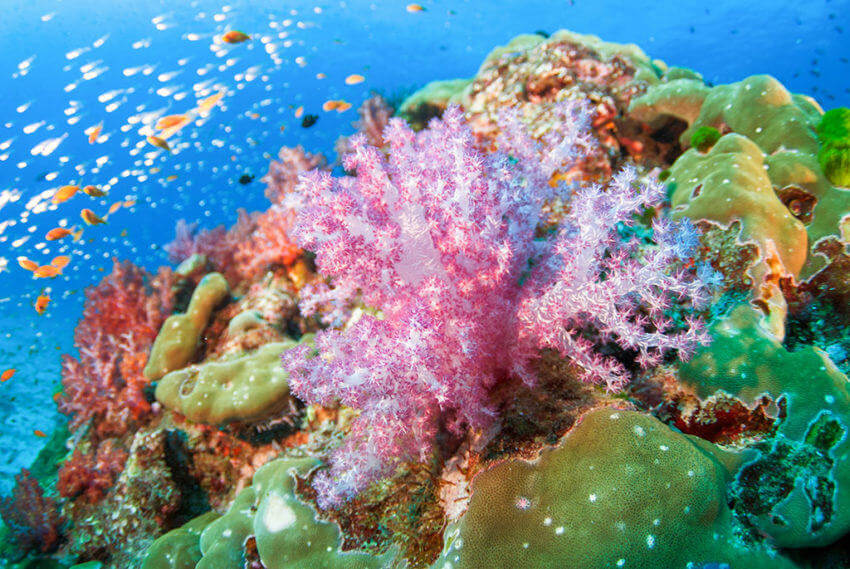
(320, 75)
(95, 133)
(57, 233)
(60, 262)
(93, 191)
(171, 178)
(27, 264)
(299, 111)
(129, 203)
(235, 36)
(65, 193)
(41, 303)
(338, 106)
(7, 375)
(159, 143)
(114, 207)
(90, 217)
(47, 272)
(354, 79)
(206, 105)
(170, 121)
(39, 433)
(413, 8)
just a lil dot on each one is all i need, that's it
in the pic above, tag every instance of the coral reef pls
(580, 310)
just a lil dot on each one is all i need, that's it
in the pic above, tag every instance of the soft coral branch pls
(33, 518)
(121, 318)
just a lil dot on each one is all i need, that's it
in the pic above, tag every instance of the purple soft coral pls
(440, 236)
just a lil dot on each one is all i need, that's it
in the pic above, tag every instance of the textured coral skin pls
(441, 238)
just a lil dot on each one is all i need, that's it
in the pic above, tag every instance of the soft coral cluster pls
(269, 245)
(257, 241)
(121, 318)
(89, 476)
(282, 177)
(440, 237)
(33, 518)
(219, 245)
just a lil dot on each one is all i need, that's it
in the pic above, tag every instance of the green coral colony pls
(738, 457)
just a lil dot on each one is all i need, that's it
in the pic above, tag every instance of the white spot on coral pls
(278, 515)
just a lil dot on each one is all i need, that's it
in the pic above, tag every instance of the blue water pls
(67, 66)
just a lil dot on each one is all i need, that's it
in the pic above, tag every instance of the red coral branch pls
(121, 318)
(91, 475)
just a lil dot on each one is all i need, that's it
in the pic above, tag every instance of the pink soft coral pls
(440, 236)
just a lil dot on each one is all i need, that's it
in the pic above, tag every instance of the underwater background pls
(69, 66)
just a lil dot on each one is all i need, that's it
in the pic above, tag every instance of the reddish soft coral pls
(121, 318)
(283, 173)
(269, 245)
(375, 114)
(90, 476)
(219, 245)
(33, 518)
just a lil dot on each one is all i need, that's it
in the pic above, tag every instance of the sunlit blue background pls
(145, 56)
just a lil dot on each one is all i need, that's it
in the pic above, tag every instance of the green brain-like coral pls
(178, 339)
(287, 532)
(795, 505)
(242, 387)
(621, 489)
